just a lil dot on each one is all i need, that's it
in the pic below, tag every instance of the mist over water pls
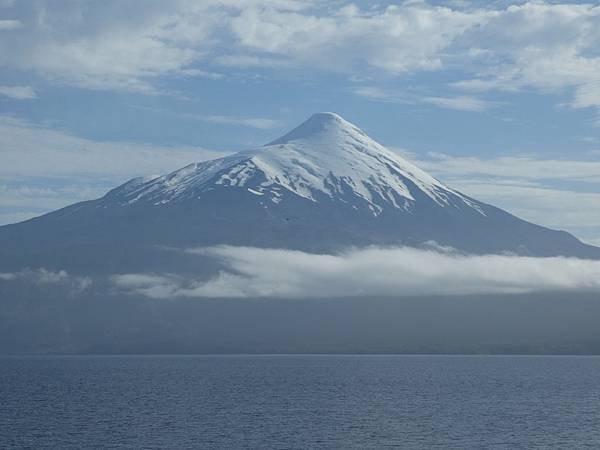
(67, 321)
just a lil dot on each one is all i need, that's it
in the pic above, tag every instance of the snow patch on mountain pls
(325, 155)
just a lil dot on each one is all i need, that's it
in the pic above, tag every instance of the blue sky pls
(498, 99)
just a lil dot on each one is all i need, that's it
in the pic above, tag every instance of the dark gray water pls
(300, 402)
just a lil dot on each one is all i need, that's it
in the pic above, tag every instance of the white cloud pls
(397, 39)
(377, 93)
(462, 103)
(253, 272)
(555, 208)
(116, 45)
(533, 45)
(34, 196)
(202, 74)
(530, 187)
(518, 166)
(251, 61)
(548, 47)
(153, 286)
(30, 150)
(18, 92)
(21, 201)
(8, 24)
(43, 276)
(107, 45)
(458, 103)
(593, 241)
(43, 169)
(18, 216)
(260, 123)
(48, 276)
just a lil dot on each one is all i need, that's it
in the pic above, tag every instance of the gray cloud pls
(42, 276)
(254, 272)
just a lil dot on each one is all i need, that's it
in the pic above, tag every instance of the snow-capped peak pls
(325, 155)
(316, 126)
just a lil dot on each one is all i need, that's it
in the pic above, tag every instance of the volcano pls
(323, 187)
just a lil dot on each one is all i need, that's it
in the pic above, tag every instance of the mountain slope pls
(322, 187)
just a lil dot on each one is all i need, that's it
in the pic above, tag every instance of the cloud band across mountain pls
(394, 272)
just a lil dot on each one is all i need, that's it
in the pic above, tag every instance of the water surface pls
(299, 402)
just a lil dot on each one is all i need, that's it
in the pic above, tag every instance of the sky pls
(498, 99)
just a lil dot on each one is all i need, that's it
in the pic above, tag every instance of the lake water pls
(345, 402)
